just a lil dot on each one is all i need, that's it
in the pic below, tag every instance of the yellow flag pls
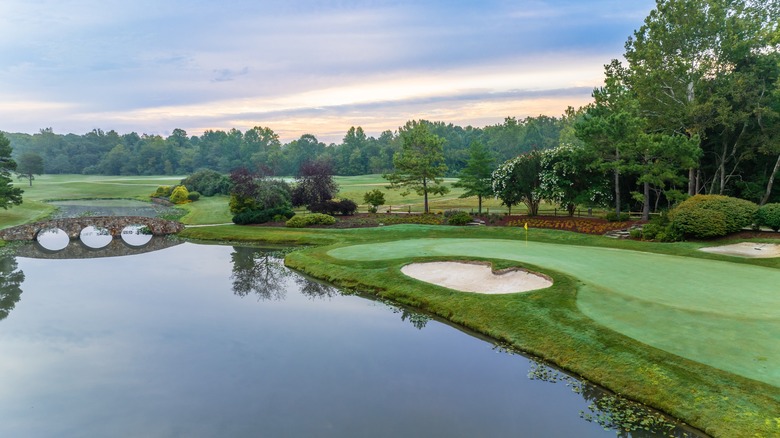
(526, 226)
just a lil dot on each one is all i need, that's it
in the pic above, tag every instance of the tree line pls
(259, 148)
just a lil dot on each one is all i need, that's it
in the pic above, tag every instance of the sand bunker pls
(747, 249)
(476, 277)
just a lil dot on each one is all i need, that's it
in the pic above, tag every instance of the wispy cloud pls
(152, 66)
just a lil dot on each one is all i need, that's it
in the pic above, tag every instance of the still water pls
(207, 340)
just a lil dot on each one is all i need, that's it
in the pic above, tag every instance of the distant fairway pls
(725, 315)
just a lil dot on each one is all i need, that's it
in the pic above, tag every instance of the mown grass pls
(215, 210)
(354, 187)
(544, 323)
(207, 210)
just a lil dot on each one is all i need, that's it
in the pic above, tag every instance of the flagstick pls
(526, 233)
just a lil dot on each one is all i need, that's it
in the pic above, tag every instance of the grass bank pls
(545, 323)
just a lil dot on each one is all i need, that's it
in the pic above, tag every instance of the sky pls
(300, 66)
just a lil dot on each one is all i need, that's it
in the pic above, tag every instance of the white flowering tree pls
(568, 180)
(517, 180)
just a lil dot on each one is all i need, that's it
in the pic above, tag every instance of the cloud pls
(113, 64)
(226, 74)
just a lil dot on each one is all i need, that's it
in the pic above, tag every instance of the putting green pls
(726, 315)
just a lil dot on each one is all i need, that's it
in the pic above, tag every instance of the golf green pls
(725, 315)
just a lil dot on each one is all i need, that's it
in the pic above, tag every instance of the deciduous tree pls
(9, 195)
(29, 165)
(476, 177)
(419, 165)
(518, 180)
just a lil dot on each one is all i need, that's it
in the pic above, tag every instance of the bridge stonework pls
(73, 226)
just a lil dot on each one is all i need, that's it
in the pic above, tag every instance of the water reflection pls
(610, 411)
(258, 272)
(136, 235)
(52, 239)
(418, 320)
(95, 237)
(261, 272)
(11, 279)
(181, 352)
(80, 250)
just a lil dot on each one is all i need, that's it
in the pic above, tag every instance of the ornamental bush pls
(331, 207)
(301, 221)
(208, 182)
(460, 218)
(193, 196)
(162, 192)
(179, 195)
(769, 216)
(706, 216)
(262, 216)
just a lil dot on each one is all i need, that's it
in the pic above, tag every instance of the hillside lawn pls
(211, 210)
(691, 333)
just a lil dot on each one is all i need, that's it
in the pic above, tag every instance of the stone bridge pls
(73, 226)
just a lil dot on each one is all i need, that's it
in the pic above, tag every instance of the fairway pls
(725, 315)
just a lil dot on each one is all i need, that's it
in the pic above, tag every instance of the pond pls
(209, 340)
(108, 207)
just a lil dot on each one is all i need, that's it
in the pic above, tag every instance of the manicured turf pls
(725, 315)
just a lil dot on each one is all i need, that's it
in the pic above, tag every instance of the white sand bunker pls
(747, 249)
(476, 277)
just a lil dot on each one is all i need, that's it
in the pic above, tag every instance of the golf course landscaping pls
(691, 333)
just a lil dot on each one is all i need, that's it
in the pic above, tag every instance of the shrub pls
(649, 231)
(179, 195)
(769, 216)
(262, 216)
(207, 182)
(343, 207)
(374, 198)
(706, 216)
(613, 217)
(301, 221)
(162, 192)
(193, 196)
(347, 207)
(459, 218)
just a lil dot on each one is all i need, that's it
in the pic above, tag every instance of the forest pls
(259, 148)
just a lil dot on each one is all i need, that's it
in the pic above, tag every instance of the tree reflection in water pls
(11, 280)
(611, 411)
(258, 272)
(262, 273)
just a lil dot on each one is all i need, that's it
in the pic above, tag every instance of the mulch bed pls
(577, 224)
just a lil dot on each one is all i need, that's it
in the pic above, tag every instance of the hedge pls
(302, 221)
(769, 216)
(706, 216)
(263, 216)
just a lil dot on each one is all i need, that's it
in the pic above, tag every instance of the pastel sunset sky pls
(300, 66)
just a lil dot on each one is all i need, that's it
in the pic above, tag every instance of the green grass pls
(557, 323)
(721, 314)
(62, 187)
(354, 187)
(207, 210)
(213, 210)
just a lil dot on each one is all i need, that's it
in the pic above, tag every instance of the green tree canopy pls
(519, 180)
(9, 195)
(29, 165)
(476, 177)
(419, 165)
